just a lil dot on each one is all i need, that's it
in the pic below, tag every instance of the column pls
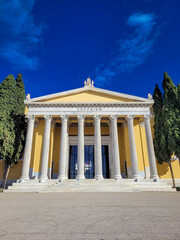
(98, 154)
(132, 144)
(150, 147)
(45, 150)
(27, 150)
(63, 148)
(51, 149)
(115, 147)
(67, 153)
(80, 161)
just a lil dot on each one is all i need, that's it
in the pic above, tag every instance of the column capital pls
(147, 117)
(97, 117)
(113, 117)
(64, 117)
(30, 117)
(80, 117)
(129, 117)
(48, 117)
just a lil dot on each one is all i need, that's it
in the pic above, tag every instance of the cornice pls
(90, 104)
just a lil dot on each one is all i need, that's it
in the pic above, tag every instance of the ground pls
(94, 216)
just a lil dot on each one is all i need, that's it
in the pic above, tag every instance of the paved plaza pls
(90, 216)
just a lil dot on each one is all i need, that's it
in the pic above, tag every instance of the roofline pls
(90, 103)
(87, 88)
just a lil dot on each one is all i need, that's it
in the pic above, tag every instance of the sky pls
(123, 45)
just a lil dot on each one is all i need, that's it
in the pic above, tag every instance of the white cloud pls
(20, 36)
(133, 50)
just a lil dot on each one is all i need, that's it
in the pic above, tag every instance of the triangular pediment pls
(89, 95)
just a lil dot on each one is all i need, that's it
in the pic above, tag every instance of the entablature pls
(89, 109)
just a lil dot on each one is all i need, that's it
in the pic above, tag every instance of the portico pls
(88, 119)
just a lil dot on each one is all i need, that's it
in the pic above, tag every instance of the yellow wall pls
(14, 173)
(122, 153)
(139, 148)
(51, 146)
(140, 137)
(36, 154)
(144, 145)
(56, 149)
(126, 145)
(164, 171)
(88, 96)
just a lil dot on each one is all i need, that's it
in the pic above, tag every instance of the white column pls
(67, 153)
(150, 147)
(80, 160)
(115, 148)
(45, 150)
(132, 143)
(98, 154)
(63, 148)
(27, 150)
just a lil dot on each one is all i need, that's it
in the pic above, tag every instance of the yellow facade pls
(123, 137)
(87, 96)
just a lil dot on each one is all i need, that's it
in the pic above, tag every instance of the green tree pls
(166, 130)
(177, 151)
(7, 135)
(19, 118)
(12, 122)
(157, 108)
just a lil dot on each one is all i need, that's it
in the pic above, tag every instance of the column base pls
(61, 178)
(23, 179)
(43, 180)
(137, 178)
(98, 177)
(117, 177)
(80, 177)
(155, 178)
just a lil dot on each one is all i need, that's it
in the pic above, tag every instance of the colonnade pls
(98, 156)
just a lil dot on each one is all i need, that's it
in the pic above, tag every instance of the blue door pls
(73, 162)
(105, 161)
(89, 161)
(89, 168)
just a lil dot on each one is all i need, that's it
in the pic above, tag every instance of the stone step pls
(89, 185)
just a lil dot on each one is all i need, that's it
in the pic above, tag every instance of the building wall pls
(124, 150)
(88, 96)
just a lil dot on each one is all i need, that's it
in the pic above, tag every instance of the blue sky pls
(123, 45)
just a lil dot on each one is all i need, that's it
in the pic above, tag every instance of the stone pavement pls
(94, 216)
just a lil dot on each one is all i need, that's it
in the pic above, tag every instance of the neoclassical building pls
(90, 133)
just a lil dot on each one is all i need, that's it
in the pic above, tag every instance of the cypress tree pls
(7, 134)
(12, 121)
(166, 112)
(19, 118)
(177, 151)
(170, 111)
(157, 108)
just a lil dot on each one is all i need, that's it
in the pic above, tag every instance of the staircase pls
(90, 185)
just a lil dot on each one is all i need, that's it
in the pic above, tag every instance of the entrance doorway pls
(89, 170)
(89, 166)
